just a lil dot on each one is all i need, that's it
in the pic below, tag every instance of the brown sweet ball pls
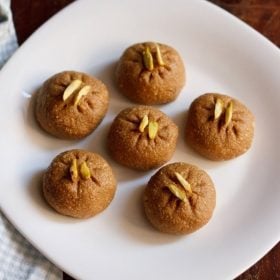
(219, 127)
(142, 138)
(150, 73)
(79, 184)
(179, 199)
(70, 104)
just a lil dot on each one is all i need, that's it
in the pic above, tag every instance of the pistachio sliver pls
(71, 88)
(177, 192)
(84, 170)
(219, 105)
(184, 183)
(74, 170)
(148, 59)
(152, 129)
(159, 56)
(82, 92)
(144, 123)
(228, 115)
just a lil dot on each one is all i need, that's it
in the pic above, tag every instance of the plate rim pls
(68, 9)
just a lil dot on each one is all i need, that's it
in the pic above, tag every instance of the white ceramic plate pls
(221, 54)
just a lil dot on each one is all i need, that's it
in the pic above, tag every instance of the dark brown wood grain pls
(263, 15)
(30, 14)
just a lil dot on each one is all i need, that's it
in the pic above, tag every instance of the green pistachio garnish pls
(228, 115)
(152, 129)
(83, 91)
(74, 170)
(148, 59)
(177, 192)
(219, 106)
(159, 56)
(144, 123)
(184, 183)
(84, 170)
(71, 88)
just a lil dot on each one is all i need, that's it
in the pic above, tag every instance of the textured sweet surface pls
(133, 148)
(79, 197)
(64, 119)
(160, 85)
(168, 213)
(213, 138)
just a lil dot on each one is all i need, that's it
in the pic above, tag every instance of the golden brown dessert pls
(179, 199)
(71, 104)
(142, 138)
(79, 184)
(150, 73)
(219, 127)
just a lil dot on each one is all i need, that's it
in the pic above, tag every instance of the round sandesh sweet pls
(150, 73)
(79, 184)
(219, 127)
(179, 199)
(142, 138)
(70, 104)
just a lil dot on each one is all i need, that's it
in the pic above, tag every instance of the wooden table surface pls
(263, 15)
